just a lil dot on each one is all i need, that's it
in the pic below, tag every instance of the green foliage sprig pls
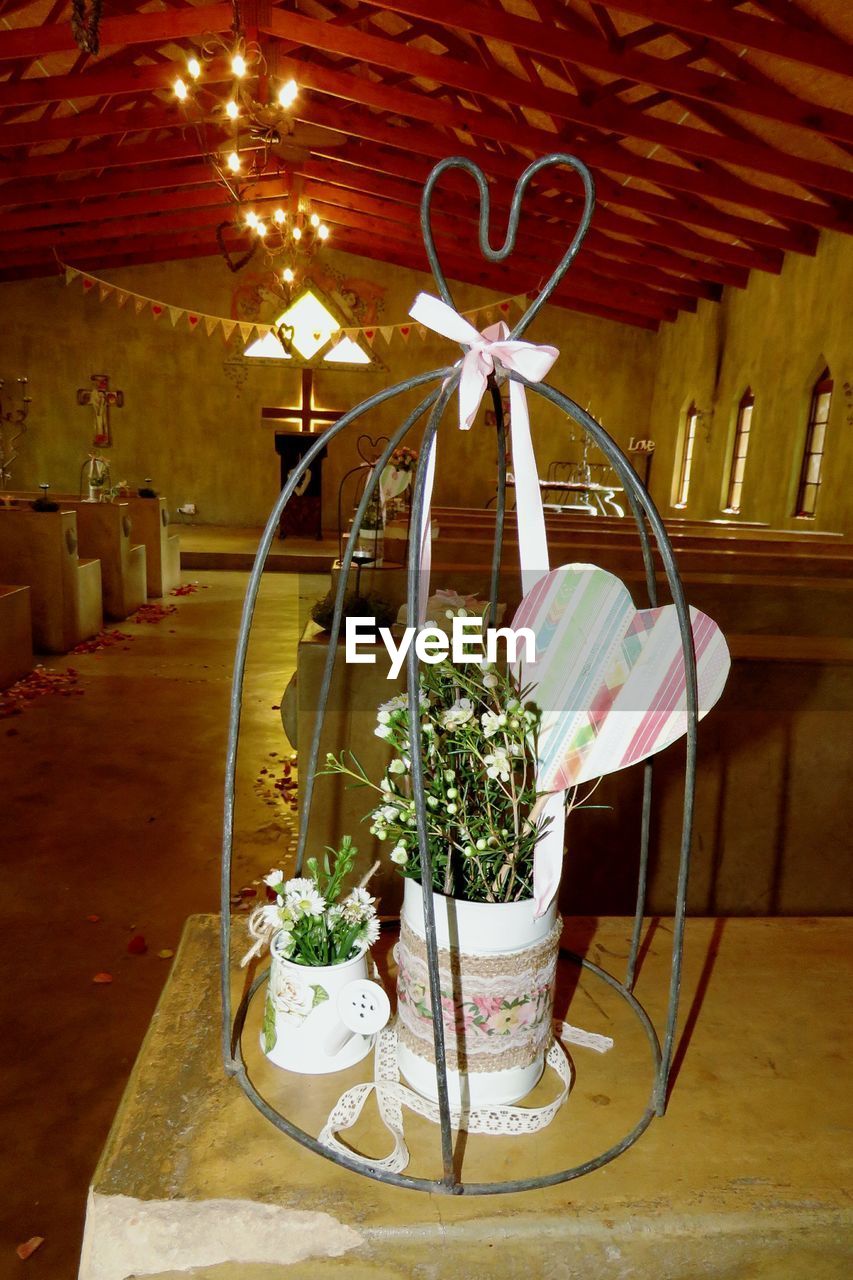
(479, 739)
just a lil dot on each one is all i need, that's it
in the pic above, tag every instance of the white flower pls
(498, 764)
(387, 709)
(490, 680)
(397, 766)
(399, 855)
(371, 931)
(459, 714)
(357, 906)
(491, 722)
(389, 812)
(384, 731)
(274, 879)
(304, 901)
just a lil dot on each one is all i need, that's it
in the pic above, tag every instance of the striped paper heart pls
(609, 677)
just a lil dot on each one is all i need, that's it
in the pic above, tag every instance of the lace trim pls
(496, 1009)
(392, 1096)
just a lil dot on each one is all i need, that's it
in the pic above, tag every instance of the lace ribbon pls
(392, 1096)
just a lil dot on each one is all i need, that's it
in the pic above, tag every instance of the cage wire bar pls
(649, 525)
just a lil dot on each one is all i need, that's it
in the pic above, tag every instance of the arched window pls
(682, 484)
(810, 473)
(739, 451)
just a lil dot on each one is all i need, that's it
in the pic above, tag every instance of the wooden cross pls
(306, 414)
(100, 397)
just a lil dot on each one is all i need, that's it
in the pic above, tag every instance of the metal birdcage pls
(443, 383)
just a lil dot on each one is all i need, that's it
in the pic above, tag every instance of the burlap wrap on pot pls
(497, 1009)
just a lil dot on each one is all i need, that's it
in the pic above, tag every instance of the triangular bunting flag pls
(192, 321)
(88, 284)
(156, 310)
(175, 314)
(387, 332)
(491, 315)
(503, 307)
(210, 323)
(104, 290)
(405, 332)
(246, 331)
(121, 297)
(421, 328)
(70, 274)
(138, 303)
(521, 301)
(370, 335)
(228, 327)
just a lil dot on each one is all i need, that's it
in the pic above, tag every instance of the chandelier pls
(255, 137)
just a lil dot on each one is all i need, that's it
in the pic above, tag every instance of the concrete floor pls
(112, 807)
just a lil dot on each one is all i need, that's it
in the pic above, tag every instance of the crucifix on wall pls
(303, 515)
(101, 397)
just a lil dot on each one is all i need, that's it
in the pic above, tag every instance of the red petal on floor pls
(102, 978)
(137, 946)
(28, 1248)
(93, 919)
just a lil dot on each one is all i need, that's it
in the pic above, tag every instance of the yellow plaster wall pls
(191, 417)
(775, 336)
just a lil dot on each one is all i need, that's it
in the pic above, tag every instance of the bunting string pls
(227, 326)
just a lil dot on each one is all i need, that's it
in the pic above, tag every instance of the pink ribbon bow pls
(485, 350)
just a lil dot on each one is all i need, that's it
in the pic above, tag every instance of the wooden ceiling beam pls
(134, 29)
(550, 41)
(350, 180)
(109, 156)
(575, 285)
(836, 214)
(744, 31)
(334, 204)
(679, 210)
(399, 255)
(699, 144)
(132, 78)
(671, 236)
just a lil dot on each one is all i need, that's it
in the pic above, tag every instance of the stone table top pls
(745, 1175)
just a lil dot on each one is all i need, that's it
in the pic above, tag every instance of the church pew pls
(104, 531)
(786, 553)
(149, 526)
(150, 518)
(16, 635)
(39, 549)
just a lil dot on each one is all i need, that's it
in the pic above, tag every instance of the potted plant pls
(497, 958)
(396, 482)
(318, 938)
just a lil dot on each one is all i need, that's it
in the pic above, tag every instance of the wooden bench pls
(39, 549)
(16, 635)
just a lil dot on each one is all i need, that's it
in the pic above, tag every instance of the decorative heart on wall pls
(609, 678)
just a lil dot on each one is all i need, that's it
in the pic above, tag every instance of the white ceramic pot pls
(302, 1028)
(497, 968)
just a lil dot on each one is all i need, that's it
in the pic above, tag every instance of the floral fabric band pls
(497, 1010)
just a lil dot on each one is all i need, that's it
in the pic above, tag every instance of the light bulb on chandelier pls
(238, 65)
(297, 233)
(288, 275)
(288, 93)
(194, 68)
(279, 216)
(231, 109)
(180, 90)
(234, 162)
